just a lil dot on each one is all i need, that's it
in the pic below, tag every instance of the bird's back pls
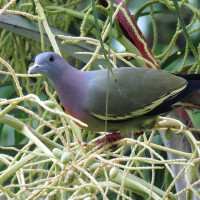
(135, 92)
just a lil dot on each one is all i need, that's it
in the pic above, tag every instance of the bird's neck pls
(70, 87)
(67, 81)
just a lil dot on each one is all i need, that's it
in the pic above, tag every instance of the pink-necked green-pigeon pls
(136, 98)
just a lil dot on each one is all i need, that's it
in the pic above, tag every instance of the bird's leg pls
(140, 133)
(110, 138)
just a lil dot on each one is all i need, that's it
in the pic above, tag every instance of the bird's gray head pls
(48, 64)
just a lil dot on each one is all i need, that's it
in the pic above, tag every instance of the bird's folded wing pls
(136, 92)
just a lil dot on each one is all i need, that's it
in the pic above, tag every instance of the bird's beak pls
(34, 69)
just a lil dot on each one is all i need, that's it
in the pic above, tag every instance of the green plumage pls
(136, 92)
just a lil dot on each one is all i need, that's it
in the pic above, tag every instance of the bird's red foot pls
(110, 138)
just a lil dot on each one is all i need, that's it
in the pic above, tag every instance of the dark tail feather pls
(190, 95)
(189, 76)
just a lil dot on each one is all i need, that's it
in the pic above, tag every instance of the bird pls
(136, 96)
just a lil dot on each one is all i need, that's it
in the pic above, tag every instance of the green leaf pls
(29, 29)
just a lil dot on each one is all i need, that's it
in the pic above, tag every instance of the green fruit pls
(92, 190)
(69, 177)
(57, 153)
(113, 172)
(66, 157)
(50, 104)
(93, 167)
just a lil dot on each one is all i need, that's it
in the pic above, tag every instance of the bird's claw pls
(110, 138)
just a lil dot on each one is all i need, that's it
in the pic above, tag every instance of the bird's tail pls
(191, 94)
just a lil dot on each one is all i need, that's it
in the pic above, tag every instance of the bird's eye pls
(51, 58)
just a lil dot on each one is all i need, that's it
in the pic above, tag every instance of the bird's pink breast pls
(69, 112)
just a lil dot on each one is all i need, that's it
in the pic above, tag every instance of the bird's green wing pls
(135, 92)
